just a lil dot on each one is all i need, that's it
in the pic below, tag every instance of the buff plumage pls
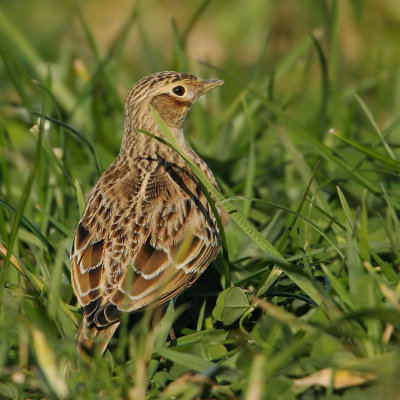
(128, 251)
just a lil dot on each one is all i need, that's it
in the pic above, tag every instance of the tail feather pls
(93, 340)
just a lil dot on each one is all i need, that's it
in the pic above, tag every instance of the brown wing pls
(142, 241)
(87, 267)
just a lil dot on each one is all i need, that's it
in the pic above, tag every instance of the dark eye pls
(178, 90)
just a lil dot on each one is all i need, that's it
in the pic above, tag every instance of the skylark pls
(147, 231)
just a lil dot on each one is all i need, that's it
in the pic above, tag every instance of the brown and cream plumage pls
(147, 231)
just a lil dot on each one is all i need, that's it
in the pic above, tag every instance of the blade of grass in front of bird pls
(242, 222)
(204, 183)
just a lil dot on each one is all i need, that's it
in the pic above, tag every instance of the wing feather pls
(128, 249)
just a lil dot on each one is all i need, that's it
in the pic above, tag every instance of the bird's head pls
(170, 93)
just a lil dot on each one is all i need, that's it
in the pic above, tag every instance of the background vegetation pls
(304, 139)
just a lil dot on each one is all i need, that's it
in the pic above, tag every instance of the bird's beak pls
(207, 85)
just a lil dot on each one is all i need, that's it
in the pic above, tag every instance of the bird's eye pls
(178, 90)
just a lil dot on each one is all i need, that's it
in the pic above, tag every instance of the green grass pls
(303, 139)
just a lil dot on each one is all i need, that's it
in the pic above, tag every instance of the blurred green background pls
(308, 84)
(92, 52)
(231, 35)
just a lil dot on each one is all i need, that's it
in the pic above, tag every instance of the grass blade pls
(298, 132)
(21, 206)
(389, 162)
(251, 168)
(29, 225)
(375, 126)
(189, 361)
(242, 222)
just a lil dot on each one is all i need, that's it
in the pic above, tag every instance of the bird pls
(147, 231)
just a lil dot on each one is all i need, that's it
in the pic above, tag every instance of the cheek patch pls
(171, 109)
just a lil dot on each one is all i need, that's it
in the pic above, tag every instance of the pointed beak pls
(207, 85)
